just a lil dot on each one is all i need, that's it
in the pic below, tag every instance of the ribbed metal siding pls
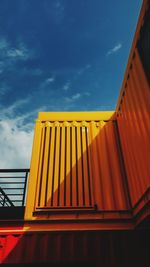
(80, 166)
(107, 169)
(64, 169)
(103, 248)
(134, 127)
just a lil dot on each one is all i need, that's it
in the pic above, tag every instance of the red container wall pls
(105, 248)
(134, 127)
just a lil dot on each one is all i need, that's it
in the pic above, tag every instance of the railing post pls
(25, 185)
(4, 201)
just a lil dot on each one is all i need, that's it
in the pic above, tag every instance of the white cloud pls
(10, 52)
(19, 53)
(66, 86)
(9, 112)
(15, 53)
(81, 71)
(16, 136)
(47, 82)
(10, 55)
(15, 144)
(76, 96)
(114, 49)
(73, 97)
(50, 80)
(87, 93)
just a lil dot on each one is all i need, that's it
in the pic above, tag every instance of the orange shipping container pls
(89, 178)
(133, 110)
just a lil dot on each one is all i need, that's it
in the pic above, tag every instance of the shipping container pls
(88, 192)
(133, 112)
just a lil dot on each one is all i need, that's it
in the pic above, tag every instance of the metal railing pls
(13, 184)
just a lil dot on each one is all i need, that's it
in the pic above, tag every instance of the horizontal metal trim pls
(77, 116)
(9, 183)
(12, 177)
(14, 170)
(13, 188)
(97, 216)
(64, 208)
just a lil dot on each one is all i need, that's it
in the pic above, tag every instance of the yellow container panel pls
(64, 178)
(78, 166)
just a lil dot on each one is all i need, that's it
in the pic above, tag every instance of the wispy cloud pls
(114, 50)
(11, 52)
(9, 112)
(81, 71)
(50, 80)
(87, 93)
(20, 52)
(76, 96)
(16, 135)
(15, 144)
(73, 97)
(66, 87)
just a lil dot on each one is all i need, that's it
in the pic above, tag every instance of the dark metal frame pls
(15, 186)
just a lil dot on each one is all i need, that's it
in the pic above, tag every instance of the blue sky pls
(58, 55)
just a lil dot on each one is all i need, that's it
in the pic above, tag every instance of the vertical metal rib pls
(122, 165)
(76, 146)
(71, 191)
(58, 196)
(82, 164)
(42, 162)
(65, 163)
(53, 176)
(88, 166)
(48, 166)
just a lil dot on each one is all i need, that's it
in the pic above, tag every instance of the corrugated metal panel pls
(117, 248)
(106, 167)
(77, 164)
(134, 127)
(64, 167)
